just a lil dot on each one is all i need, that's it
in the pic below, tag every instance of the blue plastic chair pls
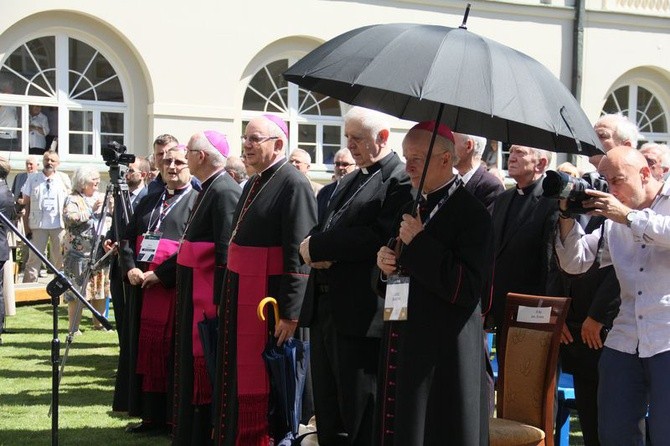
(566, 402)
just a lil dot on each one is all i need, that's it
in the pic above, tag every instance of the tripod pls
(118, 189)
(55, 288)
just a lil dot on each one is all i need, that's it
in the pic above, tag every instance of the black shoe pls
(147, 428)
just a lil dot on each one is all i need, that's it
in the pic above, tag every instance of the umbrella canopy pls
(485, 88)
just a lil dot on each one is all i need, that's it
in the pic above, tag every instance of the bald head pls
(629, 177)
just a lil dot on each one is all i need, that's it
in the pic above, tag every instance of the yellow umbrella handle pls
(261, 307)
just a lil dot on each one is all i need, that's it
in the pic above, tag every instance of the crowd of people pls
(394, 299)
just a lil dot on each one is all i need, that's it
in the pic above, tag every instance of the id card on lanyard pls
(397, 297)
(149, 247)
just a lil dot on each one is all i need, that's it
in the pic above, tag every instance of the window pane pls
(307, 139)
(22, 61)
(268, 91)
(10, 133)
(650, 115)
(92, 77)
(81, 121)
(106, 139)
(111, 122)
(81, 144)
(312, 103)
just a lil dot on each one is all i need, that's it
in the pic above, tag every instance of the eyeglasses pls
(256, 139)
(177, 163)
(651, 162)
(343, 164)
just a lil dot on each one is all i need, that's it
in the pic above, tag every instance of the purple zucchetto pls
(279, 121)
(218, 140)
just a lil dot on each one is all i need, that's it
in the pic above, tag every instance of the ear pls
(645, 174)
(542, 165)
(279, 146)
(382, 137)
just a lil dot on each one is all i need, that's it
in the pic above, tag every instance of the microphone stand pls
(55, 288)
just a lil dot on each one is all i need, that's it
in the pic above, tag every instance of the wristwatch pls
(629, 218)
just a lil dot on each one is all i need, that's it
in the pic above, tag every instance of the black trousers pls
(344, 374)
(580, 360)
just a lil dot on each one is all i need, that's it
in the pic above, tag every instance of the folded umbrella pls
(286, 365)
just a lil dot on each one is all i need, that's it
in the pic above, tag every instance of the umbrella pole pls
(428, 157)
(465, 17)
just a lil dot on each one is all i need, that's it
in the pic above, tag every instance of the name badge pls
(397, 296)
(49, 204)
(149, 247)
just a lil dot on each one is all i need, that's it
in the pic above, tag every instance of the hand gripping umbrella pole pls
(55, 288)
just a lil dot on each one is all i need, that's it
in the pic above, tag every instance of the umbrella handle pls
(261, 307)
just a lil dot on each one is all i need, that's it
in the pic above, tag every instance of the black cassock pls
(275, 213)
(209, 227)
(150, 406)
(432, 373)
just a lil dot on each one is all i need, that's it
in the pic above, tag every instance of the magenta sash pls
(156, 323)
(253, 266)
(199, 256)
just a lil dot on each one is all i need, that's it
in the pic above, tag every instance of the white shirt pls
(36, 138)
(46, 202)
(465, 178)
(641, 258)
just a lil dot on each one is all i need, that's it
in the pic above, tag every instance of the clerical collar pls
(528, 189)
(272, 167)
(212, 177)
(179, 191)
(376, 166)
(440, 190)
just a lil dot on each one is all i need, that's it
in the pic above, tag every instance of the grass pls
(86, 390)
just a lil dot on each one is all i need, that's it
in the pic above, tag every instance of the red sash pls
(199, 256)
(156, 322)
(253, 266)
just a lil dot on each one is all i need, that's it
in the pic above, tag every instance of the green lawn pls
(86, 390)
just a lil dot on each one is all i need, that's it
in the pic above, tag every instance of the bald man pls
(635, 361)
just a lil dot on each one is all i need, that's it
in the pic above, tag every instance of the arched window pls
(315, 120)
(642, 106)
(75, 89)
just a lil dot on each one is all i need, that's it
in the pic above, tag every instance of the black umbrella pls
(472, 84)
(287, 367)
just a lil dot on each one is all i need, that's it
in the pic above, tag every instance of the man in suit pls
(7, 209)
(340, 307)
(344, 164)
(482, 184)
(523, 223)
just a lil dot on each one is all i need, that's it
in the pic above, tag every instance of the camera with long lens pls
(115, 154)
(560, 185)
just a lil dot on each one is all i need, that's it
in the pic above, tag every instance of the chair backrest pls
(530, 341)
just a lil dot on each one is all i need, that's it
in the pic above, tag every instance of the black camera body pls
(560, 185)
(115, 154)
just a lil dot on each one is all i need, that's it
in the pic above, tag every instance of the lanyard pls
(334, 216)
(166, 207)
(455, 185)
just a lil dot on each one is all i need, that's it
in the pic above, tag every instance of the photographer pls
(635, 361)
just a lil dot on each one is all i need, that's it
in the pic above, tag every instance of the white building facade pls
(128, 71)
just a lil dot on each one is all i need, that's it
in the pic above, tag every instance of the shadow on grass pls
(75, 396)
(81, 436)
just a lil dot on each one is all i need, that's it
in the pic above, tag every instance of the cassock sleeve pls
(298, 217)
(222, 223)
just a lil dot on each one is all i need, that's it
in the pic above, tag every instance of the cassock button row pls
(639, 293)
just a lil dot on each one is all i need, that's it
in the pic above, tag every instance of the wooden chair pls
(528, 357)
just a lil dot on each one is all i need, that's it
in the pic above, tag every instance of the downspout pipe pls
(578, 53)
